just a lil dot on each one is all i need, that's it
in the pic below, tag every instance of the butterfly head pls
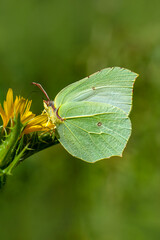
(48, 104)
(49, 107)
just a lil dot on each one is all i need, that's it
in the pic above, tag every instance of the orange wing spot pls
(99, 124)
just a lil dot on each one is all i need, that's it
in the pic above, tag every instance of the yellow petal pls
(27, 117)
(5, 108)
(3, 116)
(19, 106)
(30, 129)
(28, 105)
(40, 119)
(8, 104)
(36, 128)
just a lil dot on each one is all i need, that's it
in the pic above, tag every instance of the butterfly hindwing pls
(93, 131)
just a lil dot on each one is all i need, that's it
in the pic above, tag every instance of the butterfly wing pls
(111, 85)
(93, 131)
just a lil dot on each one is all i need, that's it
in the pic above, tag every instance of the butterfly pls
(91, 115)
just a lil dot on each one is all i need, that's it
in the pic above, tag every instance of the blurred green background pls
(53, 195)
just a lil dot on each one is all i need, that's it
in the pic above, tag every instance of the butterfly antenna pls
(42, 89)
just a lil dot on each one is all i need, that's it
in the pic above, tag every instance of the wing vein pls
(76, 139)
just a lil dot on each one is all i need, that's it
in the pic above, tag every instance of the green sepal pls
(36, 142)
(9, 142)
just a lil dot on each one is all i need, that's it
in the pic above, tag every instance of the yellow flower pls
(31, 122)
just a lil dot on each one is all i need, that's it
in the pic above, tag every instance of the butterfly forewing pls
(111, 85)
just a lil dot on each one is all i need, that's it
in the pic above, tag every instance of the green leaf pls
(93, 131)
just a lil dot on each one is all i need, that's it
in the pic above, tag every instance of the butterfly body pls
(52, 112)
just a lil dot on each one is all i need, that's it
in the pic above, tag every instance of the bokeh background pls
(53, 195)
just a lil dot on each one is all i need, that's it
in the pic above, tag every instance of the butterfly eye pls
(51, 104)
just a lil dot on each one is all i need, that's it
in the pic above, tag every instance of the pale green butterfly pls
(91, 115)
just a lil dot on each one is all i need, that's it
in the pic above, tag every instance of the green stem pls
(14, 163)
